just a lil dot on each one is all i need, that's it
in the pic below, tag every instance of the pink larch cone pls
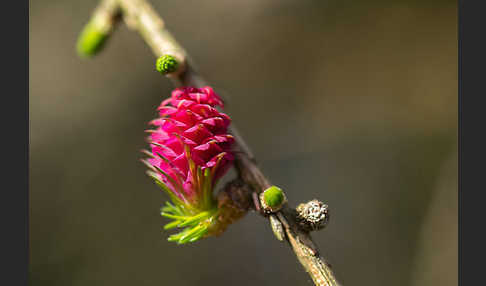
(190, 151)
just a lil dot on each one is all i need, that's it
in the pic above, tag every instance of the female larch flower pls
(190, 149)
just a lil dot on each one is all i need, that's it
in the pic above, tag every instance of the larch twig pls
(141, 17)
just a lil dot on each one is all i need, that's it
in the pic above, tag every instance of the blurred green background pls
(351, 102)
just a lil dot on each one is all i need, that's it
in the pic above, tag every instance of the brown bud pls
(234, 201)
(312, 215)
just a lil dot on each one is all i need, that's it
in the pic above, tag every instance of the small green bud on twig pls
(102, 23)
(91, 40)
(166, 64)
(272, 199)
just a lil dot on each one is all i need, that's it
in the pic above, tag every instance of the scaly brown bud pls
(312, 215)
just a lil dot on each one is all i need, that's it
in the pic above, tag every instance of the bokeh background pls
(351, 102)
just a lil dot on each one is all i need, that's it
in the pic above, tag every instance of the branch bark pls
(141, 17)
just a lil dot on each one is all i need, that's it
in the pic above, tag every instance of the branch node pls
(277, 228)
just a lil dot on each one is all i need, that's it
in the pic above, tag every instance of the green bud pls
(166, 64)
(91, 40)
(272, 199)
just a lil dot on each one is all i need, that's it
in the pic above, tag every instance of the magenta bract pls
(190, 128)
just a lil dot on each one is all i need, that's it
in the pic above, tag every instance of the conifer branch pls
(142, 18)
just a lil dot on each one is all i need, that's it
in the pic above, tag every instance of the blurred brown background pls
(351, 102)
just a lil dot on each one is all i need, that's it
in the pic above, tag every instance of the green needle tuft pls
(166, 64)
(194, 225)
